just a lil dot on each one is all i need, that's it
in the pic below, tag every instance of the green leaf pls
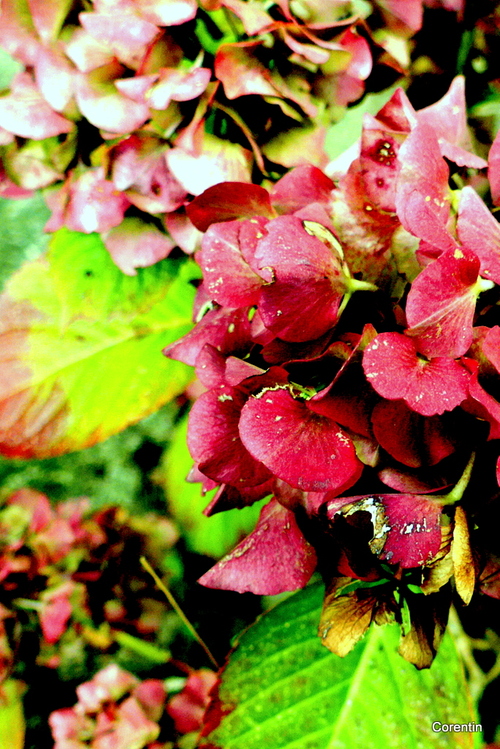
(213, 536)
(11, 715)
(346, 132)
(22, 223)
(8, 68)
(283, 690)
(81, 346)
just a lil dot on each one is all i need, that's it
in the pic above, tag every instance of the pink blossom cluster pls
(348, 341)
(115, 710)
(52, 562)
(122, 108)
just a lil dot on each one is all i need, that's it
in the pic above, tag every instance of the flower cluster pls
(348, 339)
(123, 107)
(115, 710)
(64, 570)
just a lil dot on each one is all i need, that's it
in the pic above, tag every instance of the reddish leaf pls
(214, 441)
(395, 370)
(479, 231)
(227, 201)
(441, 304)
(305, 281)
(273, 559)
(25, 112)
(305, 449)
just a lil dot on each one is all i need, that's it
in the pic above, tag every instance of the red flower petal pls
(448, 118)
(228, 201)
(214, 441)
(306, 281)
(422, 199)
(410, 438)
(494, 169)
(394, 369)
(228, 330)
(414, 537)
(229, 279)
(441, 304)
(479, 231)
(306, 450)
(273, 559)
(303, 185)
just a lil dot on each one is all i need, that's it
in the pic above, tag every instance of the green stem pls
(177, 609)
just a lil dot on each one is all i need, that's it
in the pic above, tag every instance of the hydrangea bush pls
(347, 338)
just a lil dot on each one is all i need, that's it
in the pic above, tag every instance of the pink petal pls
(448, 118)
(227, 201)
(138, 166)
(305, 449)
(422, 199)
(25, 112)
(410, 438)
(219, 161)
(188, 707)
(86, 52)
(303, 185)
(104, 106)
(414, 537)
(479, 231)
(135, 244)
(54, 618)
(494, 169)
(226, 329)
(136, 88)
(441, 304)
(95, 205)
(214, 440)
(273, 559)
(306, 286)
(178, 85)
(394, 369)
(48, 17)
(379, 164)
(126, 35)
(228, 278)
(55, 77)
